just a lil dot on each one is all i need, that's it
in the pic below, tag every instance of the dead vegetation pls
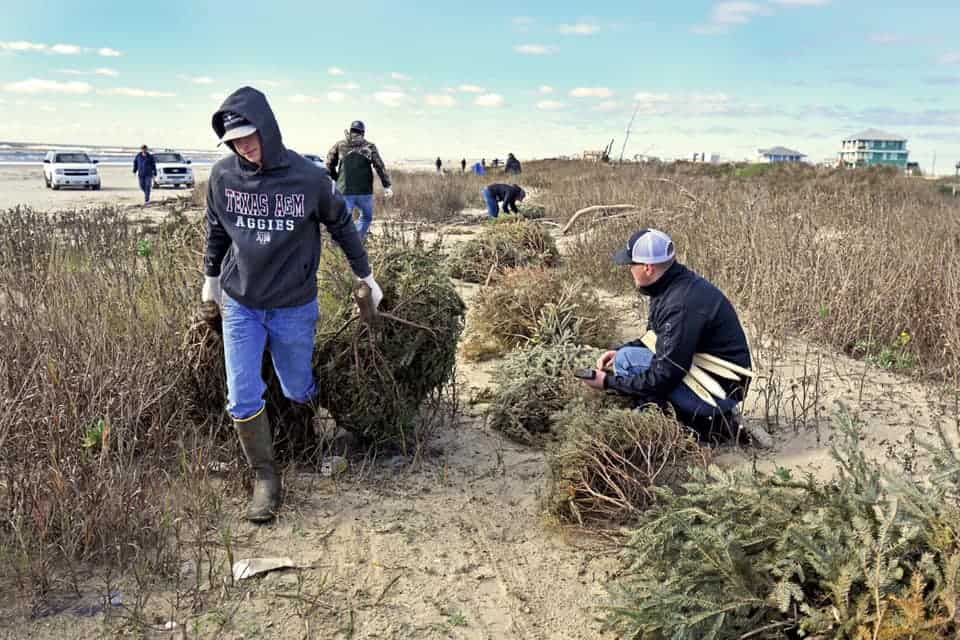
(535, 306)
(505, 242)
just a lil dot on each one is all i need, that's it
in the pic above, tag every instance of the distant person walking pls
(508, 194)
(439, 164)
(146, 169)
(463, 165)
(513, 165)
(351, 162)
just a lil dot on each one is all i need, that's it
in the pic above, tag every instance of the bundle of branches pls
(536, 306)
(509, 242)
(532, 211)
(534, 383)
(610, 460)
(870, 554)
(373, 380)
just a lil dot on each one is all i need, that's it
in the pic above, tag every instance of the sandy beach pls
(23, 185)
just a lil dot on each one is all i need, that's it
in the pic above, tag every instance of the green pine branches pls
(868, 555)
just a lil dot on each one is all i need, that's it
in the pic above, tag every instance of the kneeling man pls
(694, 355)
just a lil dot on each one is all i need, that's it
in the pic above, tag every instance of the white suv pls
(70, 169)
(172, 170)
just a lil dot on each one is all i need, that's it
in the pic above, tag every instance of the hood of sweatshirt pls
(253, 105)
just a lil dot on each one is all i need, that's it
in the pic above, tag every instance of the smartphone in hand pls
(585, 374)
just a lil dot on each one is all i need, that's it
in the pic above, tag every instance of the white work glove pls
(388, 193)
(211, 290)
(376, 293)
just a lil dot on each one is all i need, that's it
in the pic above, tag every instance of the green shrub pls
(534, 383)
(870, 554)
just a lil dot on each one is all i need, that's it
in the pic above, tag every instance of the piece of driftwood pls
(596, 207)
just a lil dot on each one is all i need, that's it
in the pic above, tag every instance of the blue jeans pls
(145, 183)
(289, 332)
(632, 361)
(365, 204)
(493, 209)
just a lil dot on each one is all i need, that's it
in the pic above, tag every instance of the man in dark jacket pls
(146, 169)
(265, 206)
(689, 316)
(513, 165)
(351, 162)
(508, 194)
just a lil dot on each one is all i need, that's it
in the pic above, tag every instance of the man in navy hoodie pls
(265, 206)
(146, 169)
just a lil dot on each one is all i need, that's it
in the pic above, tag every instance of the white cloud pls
(579, 29)
(651, 98)
(394, 88)
(489, 100)
(21, 45)
(305, 99)
(330, 96)
(33, 85)
(197, 79)
(130, 92)
(272, 84)
(950, 58)
(802, 3)
(534, 49)
(335, 71)
(102, 71)
(390, 98)
(107, 52)
(84, 105)
(737, 12)
(65, 49)
(471, 88)
(607, 105)
(544, 89)
(591, 92)
(725, 14)
(439, 100)
(48, 108)
(550, 105)
(401, 77)
(346, 86)
(886, 38)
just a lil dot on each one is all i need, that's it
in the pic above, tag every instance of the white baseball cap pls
(647, 246)
(235, 126)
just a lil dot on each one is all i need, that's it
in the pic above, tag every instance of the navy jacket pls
(144, 165)
(689, 315)
(263, 223)
(506, 193)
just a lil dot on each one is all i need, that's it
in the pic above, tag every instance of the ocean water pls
(15, 153)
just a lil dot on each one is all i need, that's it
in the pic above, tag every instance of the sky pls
(471, 79)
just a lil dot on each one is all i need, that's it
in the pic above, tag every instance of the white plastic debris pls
(249, 567)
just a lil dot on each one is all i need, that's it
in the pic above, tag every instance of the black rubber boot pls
(257, 445)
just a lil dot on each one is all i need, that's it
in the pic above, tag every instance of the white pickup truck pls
(173, 170)
(70, 169)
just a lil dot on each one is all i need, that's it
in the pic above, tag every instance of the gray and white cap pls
(235, 126)
(647, 246)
